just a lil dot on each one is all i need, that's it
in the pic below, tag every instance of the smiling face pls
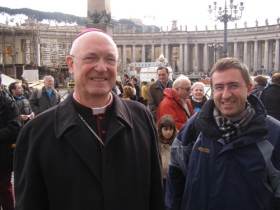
(93, 81)
(183, 89)
(231, 98)
(198, 92)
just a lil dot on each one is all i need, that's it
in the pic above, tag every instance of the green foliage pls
(40, 16)
(129, 23)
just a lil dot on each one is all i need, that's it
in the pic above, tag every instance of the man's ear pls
(249, 87)
(69, 61)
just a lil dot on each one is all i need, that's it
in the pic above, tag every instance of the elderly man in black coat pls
(94, 150)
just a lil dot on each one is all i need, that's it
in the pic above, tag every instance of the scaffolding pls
(35, 46)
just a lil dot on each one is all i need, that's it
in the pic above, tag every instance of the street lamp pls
(215, 46)
(224, 16)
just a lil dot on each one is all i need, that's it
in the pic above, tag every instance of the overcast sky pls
(160, 13)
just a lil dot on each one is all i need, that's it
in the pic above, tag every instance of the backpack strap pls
(39, 93)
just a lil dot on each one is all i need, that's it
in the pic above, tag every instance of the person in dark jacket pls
(23, 104)
(227, 155)
(155, 93)
(136, 87)
(94, 150)
(260, 83)
(9, 129)
(270, 97)
(46, 98)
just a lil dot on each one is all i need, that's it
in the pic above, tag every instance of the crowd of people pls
(140, 144)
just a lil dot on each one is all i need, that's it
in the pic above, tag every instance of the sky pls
(161, 13)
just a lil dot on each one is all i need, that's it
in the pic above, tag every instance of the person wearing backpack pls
(44, 98)
(233, 163)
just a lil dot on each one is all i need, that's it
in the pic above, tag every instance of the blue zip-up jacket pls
(209, 174)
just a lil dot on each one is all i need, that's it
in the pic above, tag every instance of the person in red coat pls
(176, 102)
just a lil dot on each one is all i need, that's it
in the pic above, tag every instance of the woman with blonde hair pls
(128, 92)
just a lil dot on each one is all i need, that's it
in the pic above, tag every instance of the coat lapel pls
(83, 142)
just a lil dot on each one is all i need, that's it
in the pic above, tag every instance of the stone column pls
(235, 50)
(99, 15)
(270, 55)
(277, 54)
(186, 66)
(167, 54)
(196, 58)
(266, 48)
(162, 49)
(256, 56)
(143, 53)
(245, 54)
(260, 53)
(133, 54)
(206, 57)
(181, 57)
(124, 59)
(153, 53)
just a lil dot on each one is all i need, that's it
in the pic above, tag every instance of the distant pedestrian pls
(44, 98)
(198, 97)
(156, 89)
(166, 134)
(260, 83)
(22, 103)
(270, 97)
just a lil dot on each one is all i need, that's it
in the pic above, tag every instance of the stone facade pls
(186, 51)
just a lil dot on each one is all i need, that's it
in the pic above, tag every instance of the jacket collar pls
(66, 115)
(205, 121)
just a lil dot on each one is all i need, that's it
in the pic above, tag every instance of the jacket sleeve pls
(34, 102)
(178, 165)
(152, 104)
(9, 132)
(29, 184)
(167, 109)
(273, 158)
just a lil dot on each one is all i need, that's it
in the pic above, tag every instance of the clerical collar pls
(97, 110)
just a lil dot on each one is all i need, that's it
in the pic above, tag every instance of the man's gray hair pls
(178, 81)
(46, 77)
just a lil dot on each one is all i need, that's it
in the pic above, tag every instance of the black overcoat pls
(56, 166)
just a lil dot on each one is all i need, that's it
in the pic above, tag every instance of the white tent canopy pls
(6, 80)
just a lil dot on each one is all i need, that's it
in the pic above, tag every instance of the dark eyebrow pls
(230, 83)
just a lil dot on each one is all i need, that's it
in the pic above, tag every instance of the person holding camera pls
(23, 104)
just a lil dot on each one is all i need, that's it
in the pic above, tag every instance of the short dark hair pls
(166, 121)
(226, 63)
(261, 80)
(133, 78)
(276, 78)
(163, 67)
(126, 76)
(12, 86)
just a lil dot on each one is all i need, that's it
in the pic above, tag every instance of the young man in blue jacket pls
(228, 155)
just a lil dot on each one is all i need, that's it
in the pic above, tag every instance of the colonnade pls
(189, 52)
(192, 57)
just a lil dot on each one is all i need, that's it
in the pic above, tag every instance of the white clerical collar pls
(97, 110)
